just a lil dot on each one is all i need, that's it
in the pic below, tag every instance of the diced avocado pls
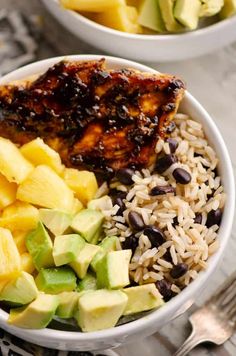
(210, 7)
(68, 304)
(56, 280)
(107, 245)
(150, 16)
(87, 222)
(36, 315)
(103, 203)
(39, 245)
(113, 270)
(20, 291)
(187, 12)
(56, 221)
(167, 12)
(100, 309)
(66, 248)
(229, 9)
(99, 235)
(89, 282)
(142, 298)
(81, 263)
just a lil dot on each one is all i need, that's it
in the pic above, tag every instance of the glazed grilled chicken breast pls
(95, 118)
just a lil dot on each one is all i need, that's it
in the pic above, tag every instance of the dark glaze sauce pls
(99, 119)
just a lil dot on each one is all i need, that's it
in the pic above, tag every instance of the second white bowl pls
(150, 48)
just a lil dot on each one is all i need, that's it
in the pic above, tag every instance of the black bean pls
(175, 221)
(214, 218)
(161, 190)
(164, 288)
(173, 144)
(182, 176)
(198, 218)
(163, 163)
(136, 221)
(119, 201)
(130, 243)
(179, 270)
(124, 175)
(167, 256)
(155, 235)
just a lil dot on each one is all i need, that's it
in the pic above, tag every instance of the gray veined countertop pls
(212, 80)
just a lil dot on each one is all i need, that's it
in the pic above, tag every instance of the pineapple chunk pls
(20, 216)
(10, 262)
(27, 264)
(83, 183)
(91, 5)
(37, 152)
(7, 192)
(13, 164)
(19, 238)
(123, 18)
(77, 206)
(45, 188)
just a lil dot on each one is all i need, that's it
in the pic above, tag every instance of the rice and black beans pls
(169, 214)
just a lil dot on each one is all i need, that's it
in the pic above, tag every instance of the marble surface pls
(212, 80)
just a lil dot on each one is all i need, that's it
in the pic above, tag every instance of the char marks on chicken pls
(96, 118)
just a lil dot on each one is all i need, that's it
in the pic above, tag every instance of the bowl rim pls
(52, 335)
(199, 32)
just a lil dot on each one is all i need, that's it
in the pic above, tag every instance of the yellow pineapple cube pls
(91, 5)
(77, 206)
(10, 262)
(13, 164)
(45, 188)
(19, 238)
(27, 264)
(2, 284)
(7, 192)
(20, 216)
(37, 152)
(123, 18)
(83, 183)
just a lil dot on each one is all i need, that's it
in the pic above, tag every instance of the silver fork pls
(215, 321)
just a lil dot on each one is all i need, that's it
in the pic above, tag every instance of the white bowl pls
(149, 324)
(150, 48)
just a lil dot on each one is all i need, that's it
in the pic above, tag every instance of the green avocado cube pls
(210, 7)
(167, 12)
(86, 223)
(66, 248)
(142, 298)
(108, 244)
(20, 291)
(36, 315)
(100, 309)
(39, 245)
(103, 203)
(187, 13)
(150, 16)
(68, 304)
(56, 280)
(229, 9)
(81, 263)
(56, 221)
(89, 282)
(113, 270)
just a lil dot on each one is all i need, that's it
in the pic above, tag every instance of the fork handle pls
(189, 344)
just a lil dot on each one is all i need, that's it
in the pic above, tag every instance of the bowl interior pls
(178, 304)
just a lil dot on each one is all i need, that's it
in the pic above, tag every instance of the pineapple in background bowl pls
(152, 16)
